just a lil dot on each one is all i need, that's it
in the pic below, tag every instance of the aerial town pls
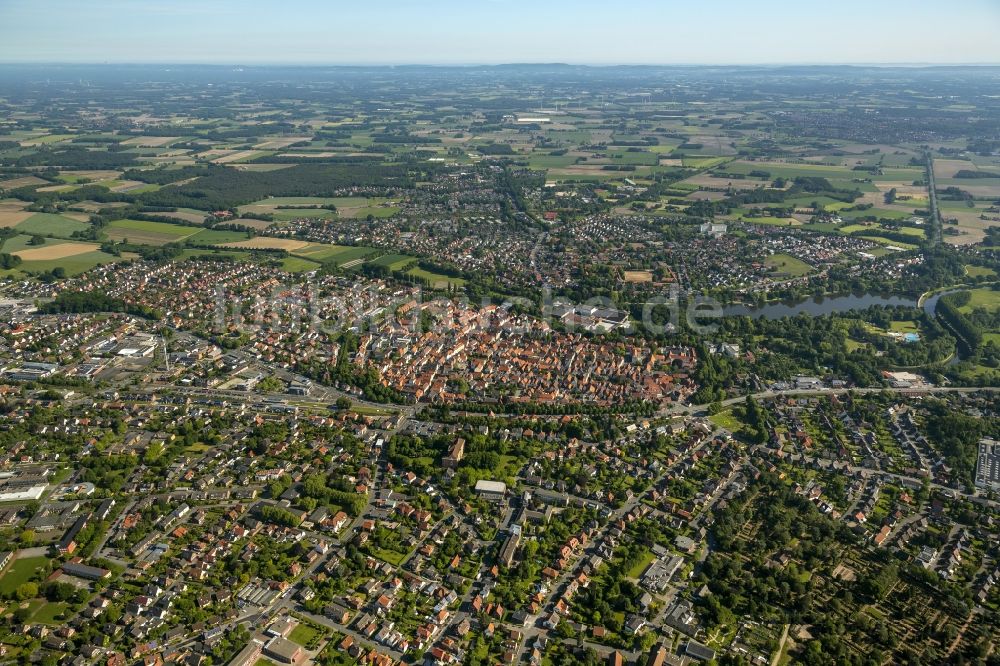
(541, 365)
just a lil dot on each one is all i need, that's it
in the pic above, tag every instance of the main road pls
(936, 221)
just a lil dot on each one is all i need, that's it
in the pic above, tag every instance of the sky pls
(500, 31)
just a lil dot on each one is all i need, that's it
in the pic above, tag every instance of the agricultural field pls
(340, 255)
(144, 232)
(47, 224)
(392, 261)
(216, 236)
(436, 280)
(266, 243)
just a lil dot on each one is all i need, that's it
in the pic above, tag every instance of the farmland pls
(145, 232)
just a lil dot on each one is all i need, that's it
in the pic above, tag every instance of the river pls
(822, 305)
(833, 304)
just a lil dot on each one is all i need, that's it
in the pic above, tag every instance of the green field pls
(704, 162)
(72, 265)
(885, 241)
(640, 566)
(786, 170)
(982, 298)
(298, 265)
(784, 263)
(392, 261)
(197, 252)
(48, 612)
(303, 634)
(979, 271)
(624, 156)
(144, 232)
(47, 223)
(436, 280)
(773, 221)
(876, 212)
(378, 212)
(390, 556)
(51, 138)
(213, 236)
(21, 571)
(20, 242)
(725, 419)
(904, 327)
(338, 254)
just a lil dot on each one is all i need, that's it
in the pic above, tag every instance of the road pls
(558, 584)
(936, 221)
(701, 409)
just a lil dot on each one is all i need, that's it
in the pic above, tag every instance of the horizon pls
(451, 33)
(500, 64)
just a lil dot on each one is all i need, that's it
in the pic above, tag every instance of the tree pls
(36, 239)
(26, 591)
(343, 403)
(27, 537)
(153, 453)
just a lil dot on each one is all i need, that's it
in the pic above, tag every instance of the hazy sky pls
(500, 31)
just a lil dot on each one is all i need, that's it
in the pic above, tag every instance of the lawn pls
(304, 634)
(21, 571)
(390, 556)
(640, 566)
(904, 327)
(47, 223)
(48, 613)
(726, 420)
(787, 264)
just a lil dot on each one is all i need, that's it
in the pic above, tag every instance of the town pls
(541, 365)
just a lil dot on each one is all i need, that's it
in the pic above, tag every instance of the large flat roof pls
(485, 486)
